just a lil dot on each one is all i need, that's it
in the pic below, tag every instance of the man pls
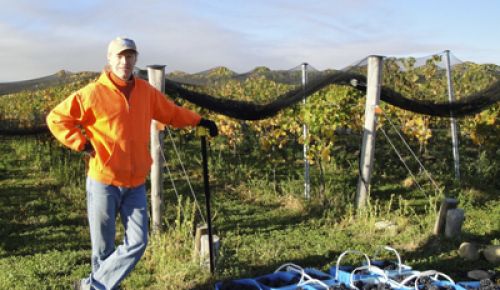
(110, 120)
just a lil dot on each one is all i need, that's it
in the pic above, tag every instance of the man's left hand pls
(210, 125)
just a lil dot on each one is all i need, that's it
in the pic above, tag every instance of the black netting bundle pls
(244, 110)
(252, 111)
(187, 87)
(465, 106)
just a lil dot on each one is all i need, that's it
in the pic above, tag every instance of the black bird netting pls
(413, 84)
(184, 86)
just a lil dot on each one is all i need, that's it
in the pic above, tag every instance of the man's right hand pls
(88, 149)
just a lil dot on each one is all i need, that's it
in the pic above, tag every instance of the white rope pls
(391, 249)
(379, 273)
(185, 174)
(436, 188)
(433, 274)
(305, 279)
(337, 267)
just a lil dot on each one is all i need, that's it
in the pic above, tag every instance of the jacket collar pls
(105, 80)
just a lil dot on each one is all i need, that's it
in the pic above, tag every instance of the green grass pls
(261, 219)
(44, 237)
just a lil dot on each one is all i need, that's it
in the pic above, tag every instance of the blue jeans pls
(110, 264)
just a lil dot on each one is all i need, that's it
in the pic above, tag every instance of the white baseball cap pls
(120, 44)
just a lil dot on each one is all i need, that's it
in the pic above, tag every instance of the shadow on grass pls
(313, 261)
(436, 253)
(439, 253)
(261, 217)
(34, 221)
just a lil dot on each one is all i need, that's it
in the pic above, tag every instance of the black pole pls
(207, 202)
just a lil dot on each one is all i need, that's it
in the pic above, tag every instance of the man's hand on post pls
(210, 125)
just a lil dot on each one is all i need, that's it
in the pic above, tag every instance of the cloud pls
(39, 39)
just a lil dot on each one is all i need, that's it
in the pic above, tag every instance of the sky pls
(39, 38)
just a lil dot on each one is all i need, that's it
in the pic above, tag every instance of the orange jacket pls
(118, 129)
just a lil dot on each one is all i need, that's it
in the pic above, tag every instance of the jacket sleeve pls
(167, 112)
(64, 122)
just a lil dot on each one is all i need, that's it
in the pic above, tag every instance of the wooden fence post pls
(374, 81)
(156, 76)
(446, 204)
